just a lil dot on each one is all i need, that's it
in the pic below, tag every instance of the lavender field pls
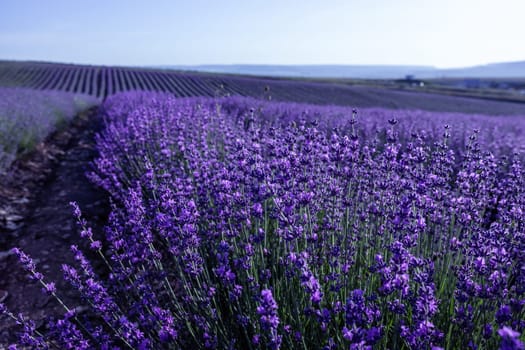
(104, 81)
(246, 224)
(27, 116)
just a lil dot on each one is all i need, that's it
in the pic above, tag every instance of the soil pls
(35, 216)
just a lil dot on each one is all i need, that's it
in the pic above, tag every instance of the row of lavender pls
(27, 116)
(103, 81)
(246, 224)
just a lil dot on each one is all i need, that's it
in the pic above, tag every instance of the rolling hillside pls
(103, 81)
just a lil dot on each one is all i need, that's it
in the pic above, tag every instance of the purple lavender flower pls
(269, 318)
(510, 339)
(241, 223)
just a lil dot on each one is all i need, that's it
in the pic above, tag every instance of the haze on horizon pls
(444, 33)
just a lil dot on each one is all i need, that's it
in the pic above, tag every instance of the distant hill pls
(494, 70)
(312, 71)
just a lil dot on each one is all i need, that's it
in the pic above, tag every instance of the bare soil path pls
(35, 216)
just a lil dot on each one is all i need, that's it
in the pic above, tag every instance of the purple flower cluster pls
(240, 223)
(362, 327)
(269, 318)
(510, 339)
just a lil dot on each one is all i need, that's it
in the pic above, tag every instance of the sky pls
(442, 33)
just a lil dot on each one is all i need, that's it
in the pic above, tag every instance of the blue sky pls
(445, 33)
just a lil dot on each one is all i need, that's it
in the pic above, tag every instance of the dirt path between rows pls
(35, 216)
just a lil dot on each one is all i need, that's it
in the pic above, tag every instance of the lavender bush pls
(245, 224)
(27, 116)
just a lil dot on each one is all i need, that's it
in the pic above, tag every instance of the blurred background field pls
(27, 116)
